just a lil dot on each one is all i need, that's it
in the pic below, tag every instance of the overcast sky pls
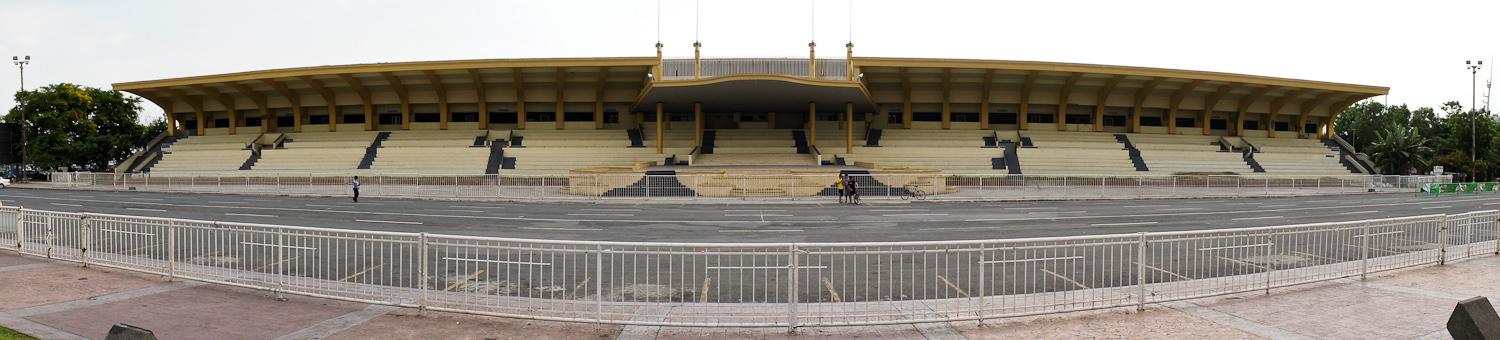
(1417, 48)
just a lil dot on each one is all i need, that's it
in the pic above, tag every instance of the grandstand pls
(556, 116)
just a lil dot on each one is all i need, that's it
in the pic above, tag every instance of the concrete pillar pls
(812, 123)
(661, 127)
(698, 124)
(849, 130)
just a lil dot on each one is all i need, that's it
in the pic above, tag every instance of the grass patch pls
(10, 334)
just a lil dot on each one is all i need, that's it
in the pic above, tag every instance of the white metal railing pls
(827, 69)
(635, 186)
(749, 284)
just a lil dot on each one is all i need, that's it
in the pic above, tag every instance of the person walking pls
(356, 188)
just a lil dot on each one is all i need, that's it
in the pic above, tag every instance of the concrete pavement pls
(55, 300)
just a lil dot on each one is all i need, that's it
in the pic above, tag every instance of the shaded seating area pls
(314, 152)
(560, 151)
(951, 151)
(739, 147)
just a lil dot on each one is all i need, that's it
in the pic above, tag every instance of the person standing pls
(853, 186)
(356, 188)
(839, 184)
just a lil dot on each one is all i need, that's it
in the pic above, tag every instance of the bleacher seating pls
(754, 147)
(559, 151)
(1291, 156)
(432, 152)
(315, 152)
(1171, 154)
(831, 138)
(206, 153)
(951, 151)
(1068, 153)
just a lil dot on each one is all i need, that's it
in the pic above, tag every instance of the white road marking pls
(757, 215)
(380, 221)
(1145, 206)
(1279, 206)
(1180, 209)
(910, 215)
(1026, 208)
(1437, 207)
(144, 209)
(1254, 218)
(616, 215)
(361, 273)
(323, 205)
(146, 199)
(474, 207)
(1120, 224)
(1065, 278)
(895, 210)
(228, 202)
(562, 229)
(1386, 199)
(1360, 212)
(1168, 272)
(761, 231)
(249, 215)
(754, 210)
(68, 205)
(457, 210)
(610, 209)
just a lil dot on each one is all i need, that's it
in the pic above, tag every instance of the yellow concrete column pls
(1270, 125)
(598, 114)
(1022, 115)
(812, 123)
(660, 126)
(171, 121)
(559, 112)
(770, 120)
(906, 114)
(333, 117)
(947, 114)
(297, 117)
(849, 132)
(521, 115)
(443, 113)
(202, 120)
(697, 124)
(1172, 119)
(234, 121)
(265, 124)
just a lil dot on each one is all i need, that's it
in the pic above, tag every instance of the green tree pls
(78, 127)
(1400, 150)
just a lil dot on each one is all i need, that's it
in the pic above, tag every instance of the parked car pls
(4, 182)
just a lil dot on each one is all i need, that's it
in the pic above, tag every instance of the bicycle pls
(912, 193)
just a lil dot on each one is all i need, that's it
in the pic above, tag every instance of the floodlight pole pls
(1473, 96)
(21, 63)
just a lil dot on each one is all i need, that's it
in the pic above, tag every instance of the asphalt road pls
(701, 222)
(746, 275)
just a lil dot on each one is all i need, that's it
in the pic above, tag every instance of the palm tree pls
(1399, 150)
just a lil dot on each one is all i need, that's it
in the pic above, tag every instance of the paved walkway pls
(57, 300)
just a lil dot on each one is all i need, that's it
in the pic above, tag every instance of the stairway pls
(752, 147)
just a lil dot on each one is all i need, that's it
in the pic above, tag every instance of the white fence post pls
(171, 250)
(422, 271)
(1140, 273)
(85, 239)
(20, 231)
(791, 286)
(1364, 252)
(1443, 240)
